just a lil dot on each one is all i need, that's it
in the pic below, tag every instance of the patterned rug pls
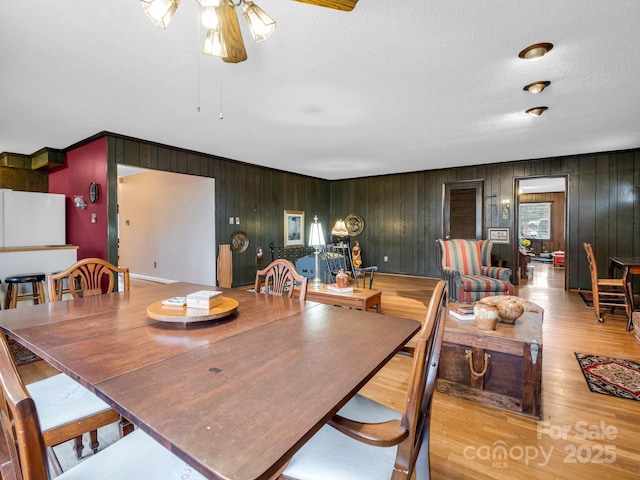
(21, 355)
(611, 376)
(587, 298)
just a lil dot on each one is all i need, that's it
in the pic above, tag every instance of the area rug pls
(611, 376)
(541, 259)
(21, 355)
(587, 298)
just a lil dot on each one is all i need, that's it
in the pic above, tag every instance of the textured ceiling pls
(389, 87)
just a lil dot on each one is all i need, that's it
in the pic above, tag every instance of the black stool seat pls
(26, 278)
(13, 295)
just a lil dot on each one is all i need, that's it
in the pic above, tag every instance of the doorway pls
(462, 209)
(540, 222)
(166, 225)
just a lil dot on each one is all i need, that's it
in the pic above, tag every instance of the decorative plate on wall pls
(354, 223)
(239, 242)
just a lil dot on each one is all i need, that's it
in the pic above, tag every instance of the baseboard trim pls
(151, 279)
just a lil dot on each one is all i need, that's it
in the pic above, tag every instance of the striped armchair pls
(466, 265)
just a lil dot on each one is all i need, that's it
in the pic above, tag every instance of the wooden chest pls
(501, 368)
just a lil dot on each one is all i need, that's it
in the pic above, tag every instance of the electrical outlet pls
(386, 259)
(154, 264)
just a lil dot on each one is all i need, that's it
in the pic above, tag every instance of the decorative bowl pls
(509, 310)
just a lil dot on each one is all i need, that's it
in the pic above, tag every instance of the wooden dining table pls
(629, 266)
(235, 397)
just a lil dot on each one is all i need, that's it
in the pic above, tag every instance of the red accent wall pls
(84, 165)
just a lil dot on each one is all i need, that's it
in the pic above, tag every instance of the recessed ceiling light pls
(535, 51)
(536, 111)
(537, 87)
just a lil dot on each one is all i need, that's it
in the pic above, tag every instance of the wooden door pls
(462, 210)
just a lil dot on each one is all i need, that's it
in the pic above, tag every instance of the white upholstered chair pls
(22, 447)
(369, 441)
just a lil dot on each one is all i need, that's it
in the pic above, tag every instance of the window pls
(534, 220)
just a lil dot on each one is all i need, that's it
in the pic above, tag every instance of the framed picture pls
(293, 228)
(498, 235)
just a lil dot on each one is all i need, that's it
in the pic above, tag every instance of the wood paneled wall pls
(403, 212)
(257, 195)
(557, 199)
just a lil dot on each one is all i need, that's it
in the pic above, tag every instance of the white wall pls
(167, 226)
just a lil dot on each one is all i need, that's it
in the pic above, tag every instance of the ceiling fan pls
(219, 19)
(346, 5)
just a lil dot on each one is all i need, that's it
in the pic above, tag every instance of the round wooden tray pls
(158, 311)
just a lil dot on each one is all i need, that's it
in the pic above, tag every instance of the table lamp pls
(340, 230)
(316, 240)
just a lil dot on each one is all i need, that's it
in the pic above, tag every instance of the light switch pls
(237, 220)
(230, 220)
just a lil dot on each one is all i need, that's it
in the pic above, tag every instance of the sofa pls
(466, 266)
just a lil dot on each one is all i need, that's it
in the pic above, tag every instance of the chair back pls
(426, 358)
(23, 447)
(280, 278)
(87, 277)
(466, 256)
(593, 268)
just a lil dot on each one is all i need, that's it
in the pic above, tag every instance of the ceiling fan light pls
(260, 24)
(214, 43)
(209, 18)
(209, 3)
(535, 51)
(537, 87)
(160, 11)
(536, 111)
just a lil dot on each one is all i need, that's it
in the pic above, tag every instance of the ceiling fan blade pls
(345, 5)
(236, 52)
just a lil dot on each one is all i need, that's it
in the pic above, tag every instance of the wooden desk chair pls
(135, 456)
(608, 292)
(369, 440)
(280, 278)
(90, 276)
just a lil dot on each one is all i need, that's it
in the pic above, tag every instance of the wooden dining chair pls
(280, 278)
(23, 455)
(90, 276)
(367, 440)
(67, 410)
(609, 292)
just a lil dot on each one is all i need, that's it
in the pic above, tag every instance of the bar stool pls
(13, 288)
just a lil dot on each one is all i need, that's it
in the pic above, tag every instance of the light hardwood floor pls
(581, 435)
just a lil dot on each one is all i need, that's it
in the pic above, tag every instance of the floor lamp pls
(316, 240)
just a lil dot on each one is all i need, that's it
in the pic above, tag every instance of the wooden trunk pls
(501, 368)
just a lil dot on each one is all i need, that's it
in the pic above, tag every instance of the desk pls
(360, 298)
(235, 399)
